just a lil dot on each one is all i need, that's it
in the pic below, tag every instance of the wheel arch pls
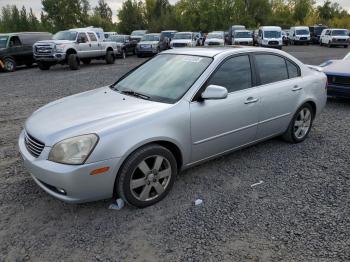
(71, 51)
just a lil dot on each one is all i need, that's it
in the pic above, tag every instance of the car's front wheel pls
(147, 176)
(300, 126)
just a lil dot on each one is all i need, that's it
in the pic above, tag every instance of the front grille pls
(34, 146)
(213, 43)
(179, 45)
(43, 49)
(340, 40)
(273, 42)
(339, 80)
(243, 43)
(303, 38)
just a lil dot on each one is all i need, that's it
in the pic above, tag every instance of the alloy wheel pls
(302, 123)
(150, 178)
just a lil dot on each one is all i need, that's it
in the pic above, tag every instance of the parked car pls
(242, 37)
(270, 36)
(231, 32)
(285, 39)
(169, 35)
(132, 138)
(16, 49)
(72, 46)
(315, 33)
(334, 37)
(109, 34)
(151, 44)
(299, 35)
(215, 38)
(255, 37)
(125, 45)
(338, 74)
(183, 39)
(138, 34)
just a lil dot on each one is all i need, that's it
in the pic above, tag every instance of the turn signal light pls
(99, 171)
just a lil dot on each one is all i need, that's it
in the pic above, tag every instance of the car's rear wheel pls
(73, 62)
(110, 57)
(300, 126)
(9, 64)
(44, 65)
(147, 176)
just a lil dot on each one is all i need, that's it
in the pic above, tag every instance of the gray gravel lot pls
(301, 212)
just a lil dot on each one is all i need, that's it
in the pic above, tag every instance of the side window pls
(14, 41)
(235, 74)
(92, 37)
(293, 70)
(271, 68)
(82, 37)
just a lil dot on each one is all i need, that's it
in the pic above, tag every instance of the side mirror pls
(214, 92)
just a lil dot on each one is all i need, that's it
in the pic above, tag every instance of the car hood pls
(148, 42)
(340, 37)
(337, 67)
(215, 40)
(89, 112)
(55, 42)
(246, 39)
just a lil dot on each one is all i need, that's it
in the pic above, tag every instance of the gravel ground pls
(299, 213)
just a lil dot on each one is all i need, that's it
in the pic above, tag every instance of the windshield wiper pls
(136, 94)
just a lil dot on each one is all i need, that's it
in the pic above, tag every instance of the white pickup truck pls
(74, 46)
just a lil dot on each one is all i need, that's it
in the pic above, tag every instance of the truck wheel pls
(9, 64)
(110, 57)
(123, 55)
(44, 66)
(73, 62)
(86, 61)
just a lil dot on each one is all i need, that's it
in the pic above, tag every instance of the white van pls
(270, 36)
(299, 35)
(335, 37)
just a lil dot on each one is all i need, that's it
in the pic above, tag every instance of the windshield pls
(347, 57)
(169, 34)
(165, 78)
(150, 38)
(302, 32)
(272, 34)
(215, 35)
(182, 36)
(243, 35)
(340, 32)
(118, 39)
(138, 33)
(3, 41)
(65, 35)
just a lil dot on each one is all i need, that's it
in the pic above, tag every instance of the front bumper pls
(74, 180)
(146, 51)
(57, 57)
(338, 91)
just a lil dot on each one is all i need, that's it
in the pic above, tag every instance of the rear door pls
(96, 48)
(218, 126)
(281, 89)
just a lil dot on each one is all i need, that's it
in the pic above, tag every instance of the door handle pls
(296, 88)
(251, 100)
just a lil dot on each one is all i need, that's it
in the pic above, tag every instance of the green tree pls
(131, 16)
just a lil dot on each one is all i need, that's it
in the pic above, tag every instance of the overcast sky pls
(115, 4)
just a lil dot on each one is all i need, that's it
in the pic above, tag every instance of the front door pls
(84, 45)
(218, 126)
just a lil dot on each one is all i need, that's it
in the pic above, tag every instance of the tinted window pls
(293, 70)
(14, 41)
(92, 37)
(235, 74)
(82, 36)
(271, 68)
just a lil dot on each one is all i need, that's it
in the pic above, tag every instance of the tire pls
(73, 62)
(86, 61)
(300, 125)
(123, 55)
(9, 64)
(329, 44)
(143, 168)
(139, 55)
(110, 57)
(345, 46)
(44, 66)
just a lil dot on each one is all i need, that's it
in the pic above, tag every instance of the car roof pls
(157, 34)
(214, 51)
(271, 27)
(184, 33)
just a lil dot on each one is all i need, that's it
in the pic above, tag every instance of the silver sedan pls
(179, 109)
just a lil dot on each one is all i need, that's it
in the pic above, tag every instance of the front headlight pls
(73, 151)
(59, 48)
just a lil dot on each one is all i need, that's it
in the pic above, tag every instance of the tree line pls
(157, 15)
